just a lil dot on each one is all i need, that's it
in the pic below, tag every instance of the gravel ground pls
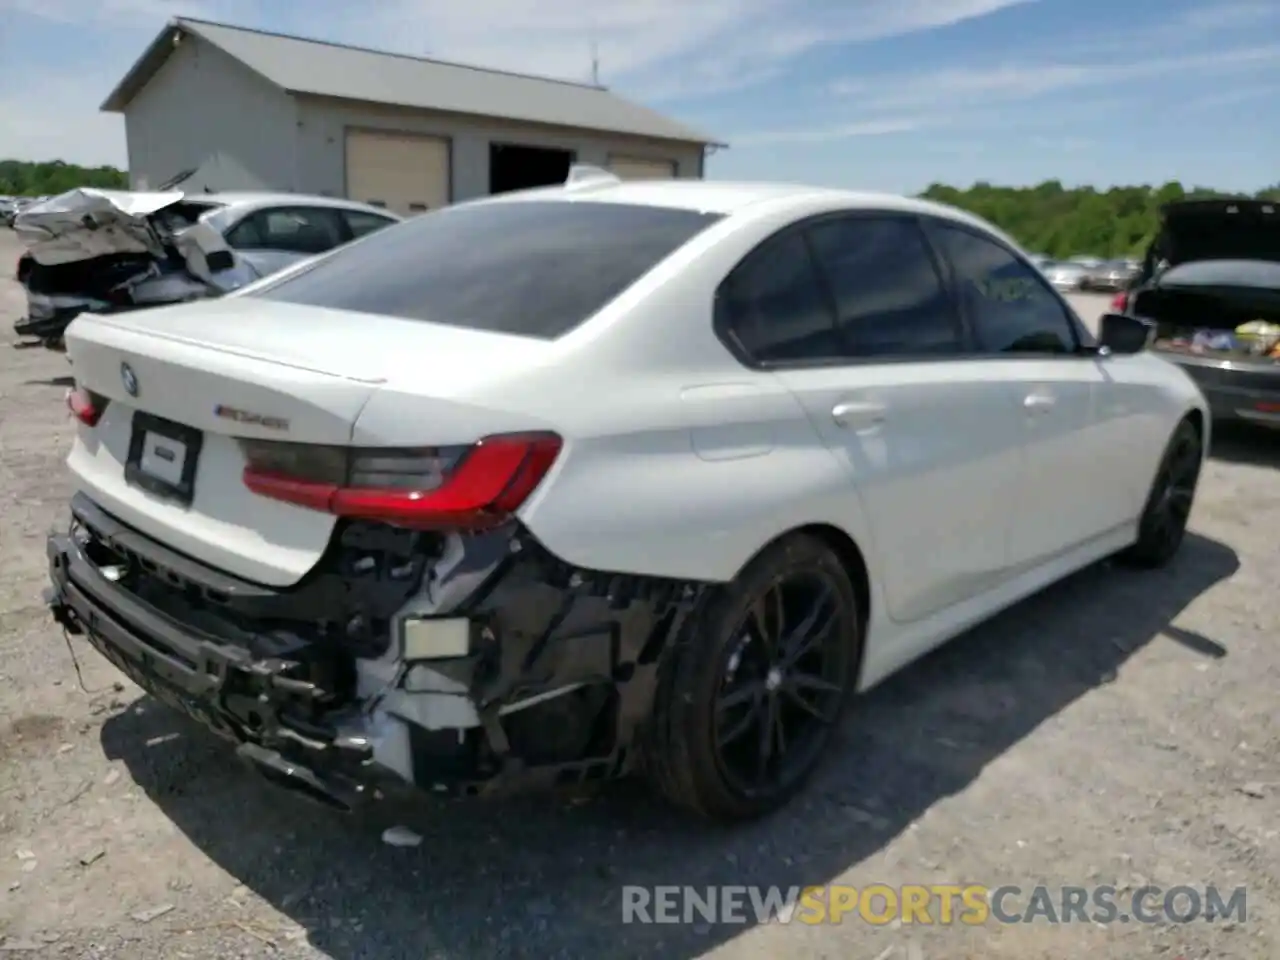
(1119, 728)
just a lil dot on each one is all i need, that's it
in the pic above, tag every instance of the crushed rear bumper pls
(554, 687)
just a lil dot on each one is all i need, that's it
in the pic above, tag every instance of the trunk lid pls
(221, 370)
(1219, 229)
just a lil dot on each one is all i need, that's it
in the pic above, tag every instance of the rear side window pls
(360, 222)
(531, 268)
(295, 229)
(773, 305)
(889, 298)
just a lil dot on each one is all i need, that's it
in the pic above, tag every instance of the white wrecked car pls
(104, 251)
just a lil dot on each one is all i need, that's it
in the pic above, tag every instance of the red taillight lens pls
(86, 406)
(1120, 302)
(468, 487)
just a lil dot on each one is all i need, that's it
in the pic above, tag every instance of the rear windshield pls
(532, 268)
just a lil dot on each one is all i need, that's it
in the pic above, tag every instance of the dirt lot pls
(1119, 729)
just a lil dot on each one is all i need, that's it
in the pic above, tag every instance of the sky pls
(871, 94)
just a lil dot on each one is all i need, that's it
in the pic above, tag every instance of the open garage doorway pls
(514, 167)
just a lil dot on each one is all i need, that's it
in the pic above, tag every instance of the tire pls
(1163, 524)
(722, 654)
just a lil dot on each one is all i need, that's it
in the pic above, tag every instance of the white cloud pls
(1237, 95)
(113, 13)
(897, 102)
(848, 131)
(1194, 28)
(657, 50)
(1004, 83)
(61, 121)
(1219, 16)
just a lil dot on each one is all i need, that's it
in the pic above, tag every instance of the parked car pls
(125, 256)
(358, 518)
(1066, 276)
(1086, 261)
(1110, 276)
(15, 205)
(1211, 283)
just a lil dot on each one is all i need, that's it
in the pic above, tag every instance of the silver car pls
(271, 231)
(1066, 276)
(1111, 276)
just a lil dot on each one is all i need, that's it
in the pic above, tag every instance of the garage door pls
(403, 173)
(634, 168)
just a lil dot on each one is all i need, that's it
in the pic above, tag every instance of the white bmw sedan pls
(597, 479)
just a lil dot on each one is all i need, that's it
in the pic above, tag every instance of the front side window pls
(773, 305)
(889, 298)
(1009, 304)
(534, 268)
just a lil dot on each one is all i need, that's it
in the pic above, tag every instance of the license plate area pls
(162, 457)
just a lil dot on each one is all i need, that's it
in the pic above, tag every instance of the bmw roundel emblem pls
(130, 379)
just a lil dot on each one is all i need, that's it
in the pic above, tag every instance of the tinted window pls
(889, 299)
(533, 268)
(361, 222)
(774, 306)
(1011, 308)
(295, 229)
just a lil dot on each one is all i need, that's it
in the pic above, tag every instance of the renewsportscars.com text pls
(940, 904)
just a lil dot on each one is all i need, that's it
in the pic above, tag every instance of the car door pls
(1071, 489)
(931, 446)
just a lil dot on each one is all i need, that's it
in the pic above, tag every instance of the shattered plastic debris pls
(152, 913)
(401, 837)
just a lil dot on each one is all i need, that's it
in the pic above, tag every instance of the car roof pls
(248, 198)
(728, 197)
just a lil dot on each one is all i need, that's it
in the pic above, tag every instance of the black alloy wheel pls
(747, 703)
(785, 679)
(1164, 521)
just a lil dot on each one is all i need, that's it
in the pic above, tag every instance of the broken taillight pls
(433, 488)
(85, 405)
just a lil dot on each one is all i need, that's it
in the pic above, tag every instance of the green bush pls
(21, 178)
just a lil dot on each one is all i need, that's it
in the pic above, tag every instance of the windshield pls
(532, 268)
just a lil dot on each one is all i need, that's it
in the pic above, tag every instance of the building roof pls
(324, 69)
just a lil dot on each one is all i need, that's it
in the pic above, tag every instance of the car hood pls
(1220, 229)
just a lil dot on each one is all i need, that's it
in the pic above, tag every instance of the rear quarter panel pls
(679, 462)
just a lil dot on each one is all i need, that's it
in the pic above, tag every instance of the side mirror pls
(1122, 334)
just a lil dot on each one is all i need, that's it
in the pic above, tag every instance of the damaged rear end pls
(104, 251)
(255, 543)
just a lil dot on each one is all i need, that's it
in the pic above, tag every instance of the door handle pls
(1038, 402)
(858, 415)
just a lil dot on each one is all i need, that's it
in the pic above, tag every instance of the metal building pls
(248, 110)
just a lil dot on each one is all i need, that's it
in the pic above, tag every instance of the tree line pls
(1068, 221)
(22, 178)
(1047, 218)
